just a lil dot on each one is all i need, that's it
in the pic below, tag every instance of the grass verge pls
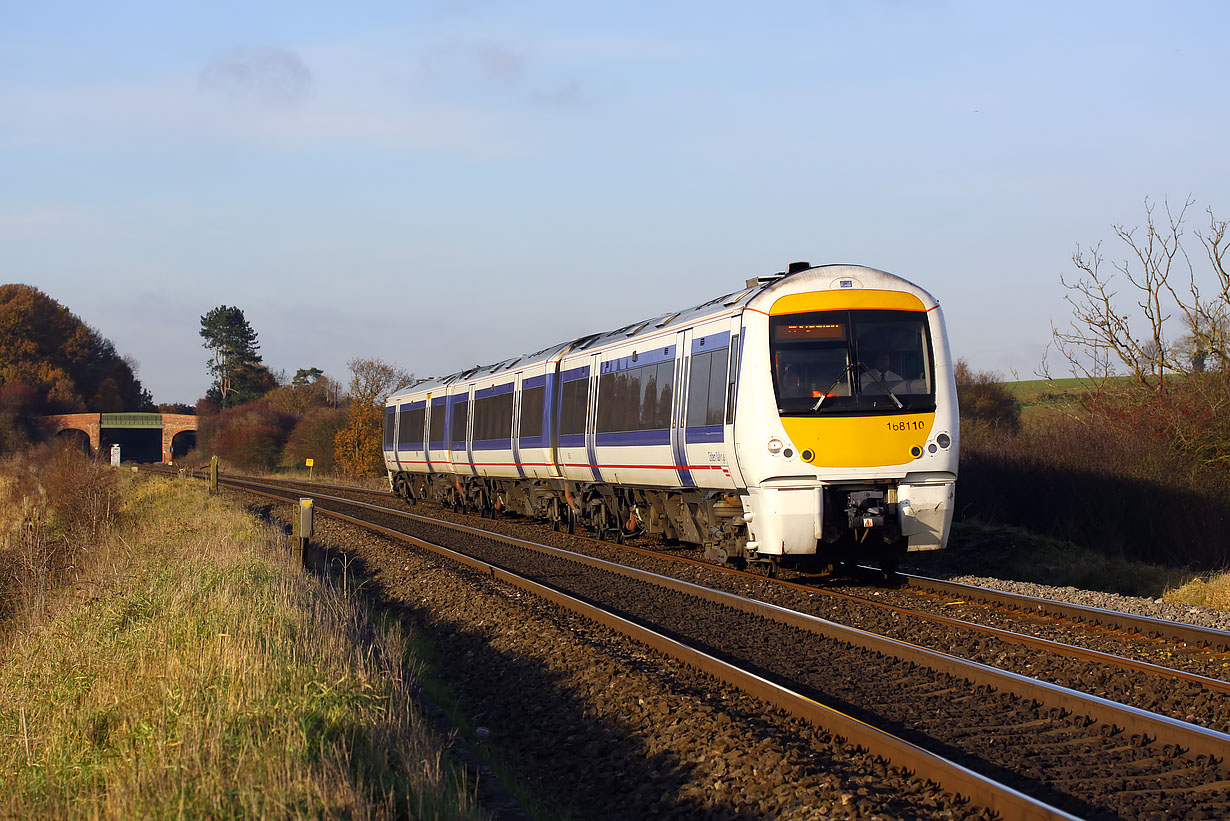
(1006, 552)
(195, 670)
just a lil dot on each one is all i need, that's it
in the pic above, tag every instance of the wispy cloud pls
(261, 75)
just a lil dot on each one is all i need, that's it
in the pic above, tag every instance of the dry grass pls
(195, 670)
(1207, 591)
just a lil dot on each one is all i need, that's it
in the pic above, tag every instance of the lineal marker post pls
(302, 527)
(213, 475)
(309, 463)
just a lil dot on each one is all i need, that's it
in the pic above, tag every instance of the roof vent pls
(795, 267)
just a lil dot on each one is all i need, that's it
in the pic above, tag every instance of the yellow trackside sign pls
(310, 462)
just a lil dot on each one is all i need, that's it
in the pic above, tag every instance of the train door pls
(591, 420)
(679, 398)
(553, 410)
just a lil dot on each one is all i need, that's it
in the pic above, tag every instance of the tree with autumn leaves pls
(357, 448)
(67, 365)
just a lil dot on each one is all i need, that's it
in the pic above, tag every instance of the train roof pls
(731, 301)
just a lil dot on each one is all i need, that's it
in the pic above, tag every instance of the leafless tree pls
(1108, 332)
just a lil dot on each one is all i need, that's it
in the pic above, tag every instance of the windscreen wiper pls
(845, 372)
(864, 369)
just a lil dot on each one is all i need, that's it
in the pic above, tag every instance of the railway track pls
(1168, 649)
(1130, 760)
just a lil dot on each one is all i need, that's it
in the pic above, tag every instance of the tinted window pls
(437, 425)
(730, 384)
(410, 431)
(532, 404)
(461, 413)
(707, 388)
(635, 398)
(575, 406)
(390, 417)
(493, 417)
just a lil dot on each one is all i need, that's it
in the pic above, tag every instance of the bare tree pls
(1105, 335)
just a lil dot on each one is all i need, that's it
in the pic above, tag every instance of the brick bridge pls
(93, 424)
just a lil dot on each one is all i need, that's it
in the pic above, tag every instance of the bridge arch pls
(89, 424)
(176, 431)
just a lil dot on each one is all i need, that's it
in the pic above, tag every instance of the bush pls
(17, 404)
(313, 438)
(1121, 492)
(984, 399)
(58, 505)
(250, 437)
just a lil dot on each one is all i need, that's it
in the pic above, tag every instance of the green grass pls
(195, 670)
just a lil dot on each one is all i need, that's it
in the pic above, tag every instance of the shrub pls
(17, 404)
(1118, 491)
(984, 399)
(313, 438)
(249, 436)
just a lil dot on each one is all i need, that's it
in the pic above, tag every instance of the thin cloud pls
(258, 75)
(490, 60)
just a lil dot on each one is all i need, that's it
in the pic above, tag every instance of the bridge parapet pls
(92, 424)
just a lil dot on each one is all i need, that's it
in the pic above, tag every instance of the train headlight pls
(943, 440)
(775, 445)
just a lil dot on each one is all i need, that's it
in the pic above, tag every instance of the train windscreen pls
(852, 362)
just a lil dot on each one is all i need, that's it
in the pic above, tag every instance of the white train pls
(810, 415)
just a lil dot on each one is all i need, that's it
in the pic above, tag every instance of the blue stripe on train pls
(707, 433)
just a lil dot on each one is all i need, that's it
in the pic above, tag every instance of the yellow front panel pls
(859, 441)
(852, 299)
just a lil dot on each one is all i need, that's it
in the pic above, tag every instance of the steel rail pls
(955, 778)
(1112, 619)
(1007, 636)
(1162, 729)
(1146, 625)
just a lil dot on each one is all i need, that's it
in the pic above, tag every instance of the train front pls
(846, 422)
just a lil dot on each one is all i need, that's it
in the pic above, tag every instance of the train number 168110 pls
(916, 425)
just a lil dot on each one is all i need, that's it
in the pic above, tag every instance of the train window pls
(666, 395)
(531, 410)
(493, 417)
(437, 426)
(707, 388)
(575, 406)
(829, 362)
(717, 387)
(734, 372)
(461, 412)
(410, 431)
(390, 419)
(635, 398)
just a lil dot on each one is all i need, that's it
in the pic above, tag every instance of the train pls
(808, 418)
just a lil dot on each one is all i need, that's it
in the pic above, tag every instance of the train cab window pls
(835, 362)
(390, 420)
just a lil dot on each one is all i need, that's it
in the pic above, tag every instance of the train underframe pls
(859, 521)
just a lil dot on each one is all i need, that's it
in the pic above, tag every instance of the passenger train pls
(808, 417)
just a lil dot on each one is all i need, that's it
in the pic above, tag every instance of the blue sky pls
(441, 184)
